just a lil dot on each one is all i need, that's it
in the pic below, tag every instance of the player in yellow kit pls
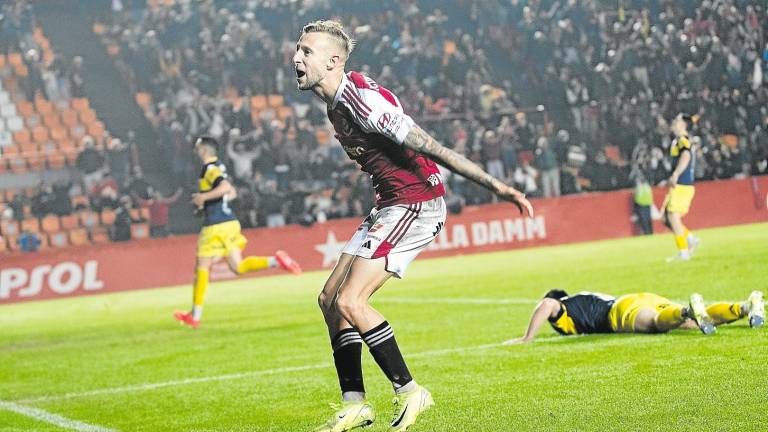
(589, 313)
(220, 236)
(681, 189)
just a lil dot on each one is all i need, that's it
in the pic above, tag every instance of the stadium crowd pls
(556, 96)
(605, 82)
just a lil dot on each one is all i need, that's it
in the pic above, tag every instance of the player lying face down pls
(590, 313)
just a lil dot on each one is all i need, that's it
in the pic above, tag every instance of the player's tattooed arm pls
(420, 141)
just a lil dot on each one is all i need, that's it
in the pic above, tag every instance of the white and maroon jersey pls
(371, 126)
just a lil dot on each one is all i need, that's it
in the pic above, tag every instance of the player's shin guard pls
(682, 243)
(347, 350)
(723, 313)
(671, 317)
(253, 263)
(383, 346)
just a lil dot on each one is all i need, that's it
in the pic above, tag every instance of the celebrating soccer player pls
(220, 236)
(681, 189)
(589, 313)
(400, 158)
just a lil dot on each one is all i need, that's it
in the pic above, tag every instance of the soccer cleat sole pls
(699, 311)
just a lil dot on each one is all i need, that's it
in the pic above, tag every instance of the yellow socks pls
(671, 317)
(198, 292)
(723, 313)
(681, 242)
(253, 263)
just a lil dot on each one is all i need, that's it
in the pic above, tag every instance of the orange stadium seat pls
(258, 102)
(100, 235)
(51, 120)
(78, 237)
(28, 148)
(43, 106)
(322, 136)
(21, 71)
(30, 224)
(35, 162)
(89, 219)
(69, 222)
(284, 112)
(139, 231)
(58, 133)
(3, 247)
(69, 117)
(11, 242)
(40, 134)
(87, 117)
(25, 108)
(43, 242)
(107, 217)
(50, 224)
(145, 213)
(80, 201)
(58, 239)
(135, 213)
(9, 151)
(275, 101)
(56, 160)
(77, 132)
(96, 130)
(80, 104)
(9, 228)
(21, 137)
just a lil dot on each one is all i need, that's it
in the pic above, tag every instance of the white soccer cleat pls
(693, 243)
(408, 406)
(349, 415)
(698, 312)
(684, 255)
(756, 309)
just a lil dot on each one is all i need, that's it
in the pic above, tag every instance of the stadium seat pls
(107, 217)
(12, 243)
(3, 61)
(35, 162)
(14, 59)
(44, 243)
(77, 132)
(28, 148)
(145, 213)
(6, 139)
(21, 137)
(3, 247)
(58, 239)
(21, 71)
(284, 112)
(78, 237)
(80, 104)
(25, 108)
(89, 219)
(275, 101)
(10, 150)
(51, 120)
(69, 118)
(14, 124)
(50, 224)
(80, 202)
(139, 231)
(30, 224)
(58, 133)
(17, 164)
(68, 222)
(100, 235)
(55, 160)
(9, 227)
(7, 109)
(40, 135)
(87, 117)
(135, 213)
(4, 97)
(96, 130)
(322, 137)
(43, 106)
(258, 102)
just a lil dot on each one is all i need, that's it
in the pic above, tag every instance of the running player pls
(220, 236)
(400, 158)
(588, 313)
(681, 189)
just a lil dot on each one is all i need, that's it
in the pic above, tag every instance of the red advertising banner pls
(162, 262)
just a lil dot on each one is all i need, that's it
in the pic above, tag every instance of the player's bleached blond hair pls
(334, 29)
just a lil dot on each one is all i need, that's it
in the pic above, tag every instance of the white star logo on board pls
(331, 249)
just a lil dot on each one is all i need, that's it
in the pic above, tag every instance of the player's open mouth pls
(300, 73)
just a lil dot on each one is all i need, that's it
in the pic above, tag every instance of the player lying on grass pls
(588, 313)
(220, 236)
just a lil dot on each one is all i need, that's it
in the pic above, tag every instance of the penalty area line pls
(51, 418)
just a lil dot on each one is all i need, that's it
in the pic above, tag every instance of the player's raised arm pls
(546, 308)
(420, 141)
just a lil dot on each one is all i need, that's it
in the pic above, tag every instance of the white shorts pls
(398, 233)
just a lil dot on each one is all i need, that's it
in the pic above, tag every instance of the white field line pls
(54, 419)
(455, 300)
(226, 377)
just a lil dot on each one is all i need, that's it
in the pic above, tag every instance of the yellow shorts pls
(220, 240)
(679, 199)
(624, 311)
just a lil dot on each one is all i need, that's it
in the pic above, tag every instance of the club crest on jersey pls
(434, 179)
(384, 120)
(346, 127)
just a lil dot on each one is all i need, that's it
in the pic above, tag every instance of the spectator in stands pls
(90, 162)
(118, 159)
(105, 194)
(28, 242)
(61, 204)
(42, 201)
(158, 211)
(525, 178)
(549, 168)
(17, 205)
(137, 185)
(121, 230)
(76, 79)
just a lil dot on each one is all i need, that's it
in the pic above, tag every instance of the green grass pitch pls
(261, 361)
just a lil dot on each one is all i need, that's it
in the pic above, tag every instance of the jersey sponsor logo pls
(62, 278)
